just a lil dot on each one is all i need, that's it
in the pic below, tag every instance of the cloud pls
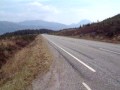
(41, 7)
(64, 11)
(30, 11)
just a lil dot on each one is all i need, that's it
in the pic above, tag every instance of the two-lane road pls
(98, 63)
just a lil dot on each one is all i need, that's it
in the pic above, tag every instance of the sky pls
(62, 11)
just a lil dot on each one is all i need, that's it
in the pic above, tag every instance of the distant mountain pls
(81, 23)
(6, 26)
(39, 24)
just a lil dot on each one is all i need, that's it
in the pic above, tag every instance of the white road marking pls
(109, 51)
(90, 68)
(86, 86)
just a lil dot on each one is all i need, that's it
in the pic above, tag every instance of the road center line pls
(109, 51)
(86, 86)
(90, 68)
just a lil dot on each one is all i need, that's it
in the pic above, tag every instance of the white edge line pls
(90, 68)
(86, 86)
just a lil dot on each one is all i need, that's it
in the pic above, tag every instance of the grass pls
(115, 40)
(25, 65)
(10, 45)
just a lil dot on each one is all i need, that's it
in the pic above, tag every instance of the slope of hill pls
(108, 29)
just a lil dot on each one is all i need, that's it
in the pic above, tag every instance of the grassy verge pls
(98, 38)
(9, 45)
(23, 67)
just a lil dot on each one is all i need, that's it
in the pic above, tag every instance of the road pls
(87, 65)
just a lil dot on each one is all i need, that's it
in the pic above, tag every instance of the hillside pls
(108, 29)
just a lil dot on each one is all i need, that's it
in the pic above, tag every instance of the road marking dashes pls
(86, 86)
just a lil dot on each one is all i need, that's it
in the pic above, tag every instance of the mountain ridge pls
(6, 26)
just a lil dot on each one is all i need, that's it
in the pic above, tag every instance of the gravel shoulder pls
(61, 76)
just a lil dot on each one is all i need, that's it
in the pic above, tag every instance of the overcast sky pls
(63, 11)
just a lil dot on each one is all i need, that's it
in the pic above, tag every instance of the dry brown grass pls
(6, 42)
(115, 40)
(21, 69)
(9, 45)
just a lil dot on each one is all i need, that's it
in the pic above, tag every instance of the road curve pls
(97, 63)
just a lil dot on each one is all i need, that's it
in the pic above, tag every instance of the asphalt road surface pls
(87, 65)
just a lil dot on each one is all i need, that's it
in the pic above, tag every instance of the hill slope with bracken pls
(108, 29)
